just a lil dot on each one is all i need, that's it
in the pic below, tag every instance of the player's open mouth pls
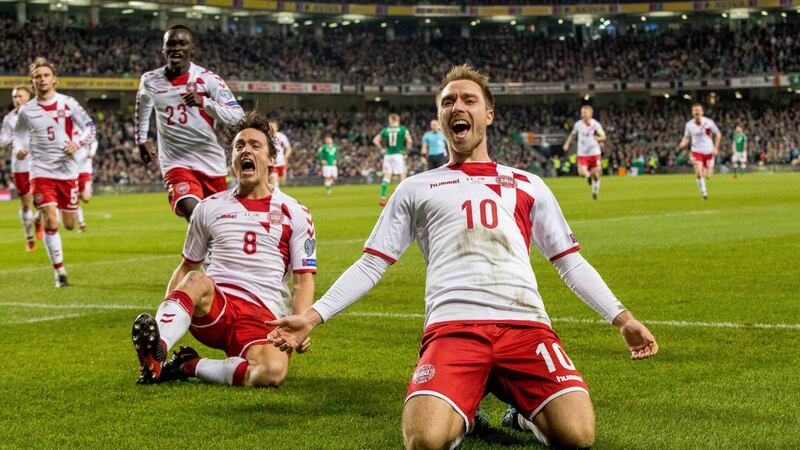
(248, 166)
(460, 128)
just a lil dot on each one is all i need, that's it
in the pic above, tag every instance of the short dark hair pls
(256, 121)
(179, 27)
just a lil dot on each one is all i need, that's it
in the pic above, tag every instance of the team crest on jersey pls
(506, 181)
(182, 188)
(191, 87)
(61, 113)
(310, 246)
(423, 374)
(275, 217)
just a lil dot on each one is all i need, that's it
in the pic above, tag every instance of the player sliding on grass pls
(705, 137)
(258, 236)
(590, 133)
(188, 100)
(486, 329)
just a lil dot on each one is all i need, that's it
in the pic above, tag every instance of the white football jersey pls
(84, 156)
(587, 137)
(186, 136)
(474, 223)
(46, 126)
(256, 243)
(7, 138)
(281, 144)
(702, 135)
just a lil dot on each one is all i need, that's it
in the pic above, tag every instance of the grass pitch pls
(713, 280)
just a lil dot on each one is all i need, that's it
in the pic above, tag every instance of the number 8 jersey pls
(186, 135)
(253, 246)
(474, 223)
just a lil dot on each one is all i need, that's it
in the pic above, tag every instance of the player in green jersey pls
(393, 141)
(739, 152)
(328, 154)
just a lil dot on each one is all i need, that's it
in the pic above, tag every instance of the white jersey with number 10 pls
(474, 223)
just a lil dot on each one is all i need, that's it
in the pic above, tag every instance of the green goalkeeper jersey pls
(739, 141)
(328, 153)
(395, 139)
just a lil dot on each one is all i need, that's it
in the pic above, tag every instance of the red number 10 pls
(487, 210)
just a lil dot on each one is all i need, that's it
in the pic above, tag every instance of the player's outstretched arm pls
(354, 283)
(640, 340)
(587, 284)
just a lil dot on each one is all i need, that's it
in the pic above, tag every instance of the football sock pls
(80, 217)
(384, 188)
(530, 426)
(701, 184)
(174, 317)
(27, 222)
(595, 186)
(229, 371)
(52, 243)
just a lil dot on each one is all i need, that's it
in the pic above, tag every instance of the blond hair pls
(42, 62)
(467, 72)
(23, 87)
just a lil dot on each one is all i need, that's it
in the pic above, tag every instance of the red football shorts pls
(23, 183)
(62, 193)
(706, 160)
(279, 170)
(233, 324)
(522, 363)
(85, 183)
(184, 183)
(589, 161)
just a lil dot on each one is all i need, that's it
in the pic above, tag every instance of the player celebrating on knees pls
(85, 157)
(328, 154)
(20, 163)
(739, 151)
(393, 141)
(590, 134)
(259, 236)
(188, 101)
(699, 131)
(46, 125)
(284, 148)
(486, 329)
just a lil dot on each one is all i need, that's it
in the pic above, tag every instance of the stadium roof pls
(366, 10)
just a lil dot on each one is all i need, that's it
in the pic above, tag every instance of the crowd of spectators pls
(366, 54)
(643, 134)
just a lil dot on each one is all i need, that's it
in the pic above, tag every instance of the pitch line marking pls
(114, 262)
(44, 319)
(669, 323)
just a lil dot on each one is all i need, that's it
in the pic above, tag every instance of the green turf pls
(667, 254)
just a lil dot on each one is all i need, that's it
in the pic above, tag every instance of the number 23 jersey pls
(474, 223)
(253, 245)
